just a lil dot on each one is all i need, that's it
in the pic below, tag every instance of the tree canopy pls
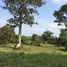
(61, 15)
(23, 11)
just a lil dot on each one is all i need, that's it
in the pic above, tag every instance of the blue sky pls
(45, 19)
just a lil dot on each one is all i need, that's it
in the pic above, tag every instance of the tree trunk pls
(18, 46)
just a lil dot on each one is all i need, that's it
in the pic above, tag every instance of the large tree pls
(61, 17)
(23, 12)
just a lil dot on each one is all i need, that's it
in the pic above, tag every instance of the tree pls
(36, 40)
(7, 34)
(47, 35)
(23, 12)
(61, 15)
(53, 40)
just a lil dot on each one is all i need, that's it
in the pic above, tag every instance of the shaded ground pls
(33, 57)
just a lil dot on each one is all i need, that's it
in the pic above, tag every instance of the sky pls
(45, 19)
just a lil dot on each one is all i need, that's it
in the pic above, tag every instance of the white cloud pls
(36, 29)
(39, 29)
(55, 25)
(60, 2)
(55, 28)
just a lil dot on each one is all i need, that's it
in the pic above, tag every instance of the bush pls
(36, 40)
(65, 42)
(7, 34)
(26, 40)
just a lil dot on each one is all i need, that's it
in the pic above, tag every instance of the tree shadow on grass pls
(62, 49)
(13, 59)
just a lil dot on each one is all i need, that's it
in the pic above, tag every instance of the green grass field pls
(33, 56)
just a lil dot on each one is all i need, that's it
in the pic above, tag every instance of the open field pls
(33, 56)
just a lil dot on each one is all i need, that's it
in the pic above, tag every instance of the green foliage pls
(26, 40)
(61, 15)
(36, 40)
(46, 36)
(63, 38)
(22, 10)
(7, 34)
(34, 60)
(36, 57)
(53, 40)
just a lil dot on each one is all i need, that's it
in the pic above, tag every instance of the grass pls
(33, 56)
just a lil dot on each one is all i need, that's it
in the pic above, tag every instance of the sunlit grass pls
(50, 49)
(33, 56)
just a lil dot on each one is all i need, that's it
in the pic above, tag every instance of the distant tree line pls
(7, 35)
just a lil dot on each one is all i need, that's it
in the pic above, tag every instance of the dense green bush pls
(46, 36)
(36, 40)
(53, 40)
(7, 34)
(63, 38)
(65, 41)
(26, 40)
